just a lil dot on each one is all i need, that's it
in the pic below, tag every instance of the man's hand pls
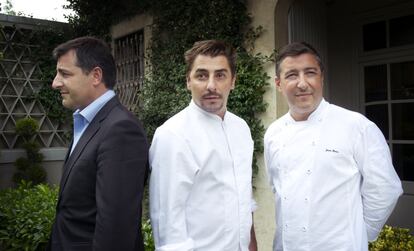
(253, 242)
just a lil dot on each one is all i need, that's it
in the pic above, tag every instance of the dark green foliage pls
(48, 38)
(247, 98)
(147, 236)
(26, 216)
(29, 168)
(177, 25)
(26, 128)
(393, 239)
(95, 17)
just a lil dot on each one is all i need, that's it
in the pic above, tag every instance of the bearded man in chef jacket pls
(201, 161)
(330, 168)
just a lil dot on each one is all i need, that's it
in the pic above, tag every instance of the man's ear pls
(277, 82)
(96, 75)
(233, 82)
(322, 79)
(188, 83)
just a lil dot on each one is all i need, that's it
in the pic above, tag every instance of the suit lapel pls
(89, 133)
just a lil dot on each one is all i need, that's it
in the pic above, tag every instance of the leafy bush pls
(393, 239)
(26, 216)
(26, 128)
(147, 236)
(29, 168)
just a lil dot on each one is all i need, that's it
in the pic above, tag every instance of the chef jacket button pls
(304, 229)
(308, 171)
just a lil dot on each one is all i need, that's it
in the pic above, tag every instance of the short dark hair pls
(296, 49)
(90, 53)
(212, 48)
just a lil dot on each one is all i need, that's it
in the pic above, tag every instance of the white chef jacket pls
(200, 185)
(333, 180)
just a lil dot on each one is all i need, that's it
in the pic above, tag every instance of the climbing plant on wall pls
(177, 25)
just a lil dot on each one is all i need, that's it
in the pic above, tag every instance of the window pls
(389, 102)
(388, 33)
(388, 77)
(129, 59)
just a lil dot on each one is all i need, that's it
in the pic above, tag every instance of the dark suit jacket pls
(99, 205)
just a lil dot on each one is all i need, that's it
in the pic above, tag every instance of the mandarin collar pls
(316, 115)
(210, 115)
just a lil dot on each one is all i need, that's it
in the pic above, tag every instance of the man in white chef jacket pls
(330, 168)
(201, 161)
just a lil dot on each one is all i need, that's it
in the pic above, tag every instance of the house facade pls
(368, 49)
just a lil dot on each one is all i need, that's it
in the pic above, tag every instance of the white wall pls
(263, 14)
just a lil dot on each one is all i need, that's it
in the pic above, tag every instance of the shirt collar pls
(195, 107)
(93, 108)
(316, 115)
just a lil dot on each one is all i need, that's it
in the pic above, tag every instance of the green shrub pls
(393, 239)
(147, 236)
(26, 216)
(26, 128)
(29, 168)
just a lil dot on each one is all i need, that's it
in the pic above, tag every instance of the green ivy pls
(176, 27)
(47, 38)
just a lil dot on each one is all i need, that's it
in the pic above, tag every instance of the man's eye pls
(290, 76)
(201, 76)
(220, 75)
(311, 73)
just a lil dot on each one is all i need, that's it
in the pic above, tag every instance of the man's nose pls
(302, 82)
(211, 85)
(56, 83)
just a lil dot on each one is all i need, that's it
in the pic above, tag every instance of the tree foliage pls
(95, 17)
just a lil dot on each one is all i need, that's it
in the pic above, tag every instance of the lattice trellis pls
(129, 58)
(20, 78)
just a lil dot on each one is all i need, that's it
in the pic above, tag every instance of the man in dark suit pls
(99, 205)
